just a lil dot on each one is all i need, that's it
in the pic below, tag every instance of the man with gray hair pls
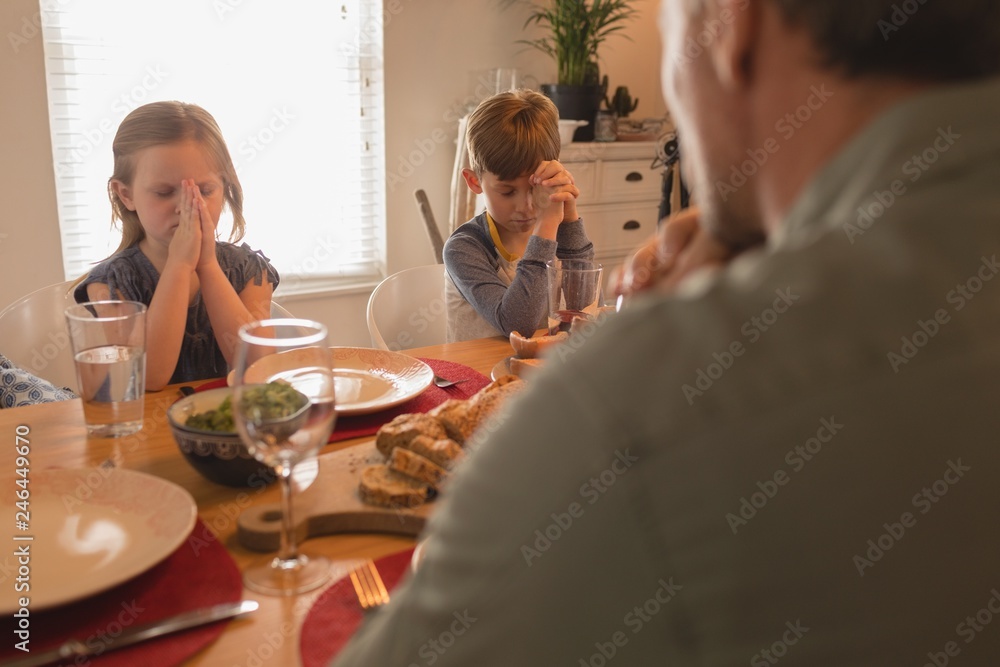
(786, 458)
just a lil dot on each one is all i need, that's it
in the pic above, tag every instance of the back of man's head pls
(510, 134)
(923, 40)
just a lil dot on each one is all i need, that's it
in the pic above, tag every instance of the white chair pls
(409, 309)
(277, 310)
(33, 333)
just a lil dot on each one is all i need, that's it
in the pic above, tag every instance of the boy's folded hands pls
(553, 185)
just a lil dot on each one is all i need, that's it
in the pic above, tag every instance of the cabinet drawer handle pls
(633, 177)
(630, 225)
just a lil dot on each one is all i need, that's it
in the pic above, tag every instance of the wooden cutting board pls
(331, 505)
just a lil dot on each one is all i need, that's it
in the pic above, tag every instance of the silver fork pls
(368, 586)
(444, 384)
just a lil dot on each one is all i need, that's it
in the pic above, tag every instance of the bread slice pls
(452, 407)
(488, 404)
(459, 425)
(445, 452)
(416, 466)
(460, 419)
(501, 381)
(404, 428)
(453, 417)
(386, 488)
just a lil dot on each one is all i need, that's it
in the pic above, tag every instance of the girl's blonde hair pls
(161, 123)
(511, 133)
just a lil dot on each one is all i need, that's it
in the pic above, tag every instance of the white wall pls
(30, 253)
(436, 53)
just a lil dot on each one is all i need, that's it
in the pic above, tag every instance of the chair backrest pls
(277, 310)
(430, 224)
(33, 334)
(408, 309)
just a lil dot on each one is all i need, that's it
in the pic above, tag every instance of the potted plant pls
(576, 29)
(622, 103)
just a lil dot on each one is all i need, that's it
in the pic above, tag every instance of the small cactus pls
(622, 103)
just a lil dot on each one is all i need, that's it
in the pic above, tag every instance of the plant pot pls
(577, 103)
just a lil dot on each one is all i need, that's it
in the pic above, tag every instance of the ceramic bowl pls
(567, 128)
(220, 457)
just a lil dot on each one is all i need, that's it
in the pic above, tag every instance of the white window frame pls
(332, 241)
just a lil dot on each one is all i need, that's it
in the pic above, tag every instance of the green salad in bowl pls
(267, 402)
(219, 419)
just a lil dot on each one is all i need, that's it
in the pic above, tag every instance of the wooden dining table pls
(269, 636)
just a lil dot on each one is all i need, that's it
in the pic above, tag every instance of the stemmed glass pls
(283, 407)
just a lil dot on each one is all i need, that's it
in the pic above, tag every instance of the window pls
(296, 88)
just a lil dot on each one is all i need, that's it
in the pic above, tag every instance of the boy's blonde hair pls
(510, 133)
(161, 123)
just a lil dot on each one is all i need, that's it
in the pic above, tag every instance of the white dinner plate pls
(366, 380)
(93, 529)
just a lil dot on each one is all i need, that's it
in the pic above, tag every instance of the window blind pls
(296, 88)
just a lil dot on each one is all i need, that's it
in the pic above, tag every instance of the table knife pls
(74, 648)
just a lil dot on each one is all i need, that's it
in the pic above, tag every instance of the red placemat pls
(433, 396)
(363, 425)
(336, 614)
(200, 573)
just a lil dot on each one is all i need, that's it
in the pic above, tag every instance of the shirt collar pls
(495, 235)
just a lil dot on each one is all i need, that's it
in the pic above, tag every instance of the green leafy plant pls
(577, 29)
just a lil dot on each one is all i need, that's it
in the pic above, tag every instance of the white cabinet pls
(619, 194)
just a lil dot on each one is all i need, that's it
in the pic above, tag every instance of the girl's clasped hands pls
(193, 244)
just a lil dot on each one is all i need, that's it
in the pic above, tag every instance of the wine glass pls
(283, 407)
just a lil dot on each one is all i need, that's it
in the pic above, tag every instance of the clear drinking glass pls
(283, 407)
(504, 79)
(574, 292)
(109, 348)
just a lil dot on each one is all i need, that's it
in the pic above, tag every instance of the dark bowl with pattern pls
(220, 456)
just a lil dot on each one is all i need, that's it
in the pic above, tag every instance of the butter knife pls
(74, 648)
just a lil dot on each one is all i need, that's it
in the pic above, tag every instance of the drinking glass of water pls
(109, 347)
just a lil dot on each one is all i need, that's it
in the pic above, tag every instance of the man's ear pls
(472, 181)
(734, 47)
(124, 193)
